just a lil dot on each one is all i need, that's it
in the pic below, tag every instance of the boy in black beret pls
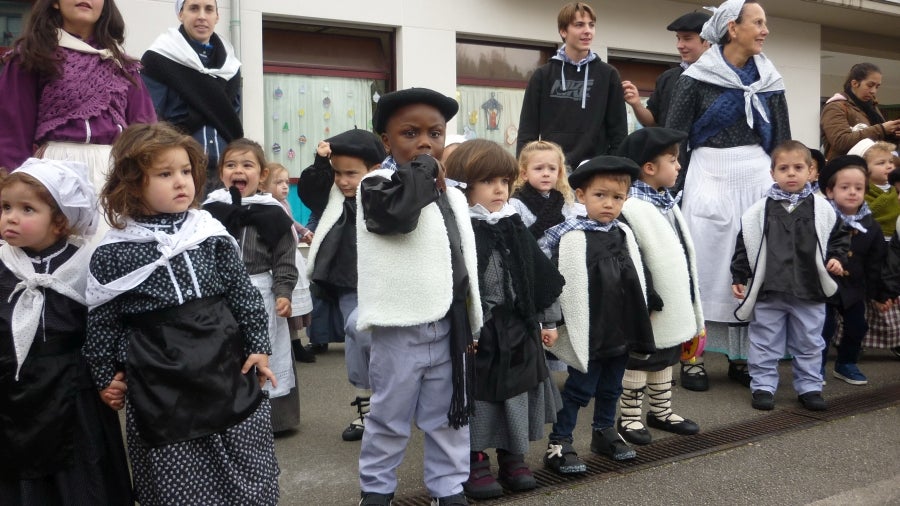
(818, 163)
(604, 304)
(661, 233)
(788, 244)
(341, 162)
(418, 293)
(844, 181)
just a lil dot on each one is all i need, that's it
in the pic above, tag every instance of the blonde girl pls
(542, 195)
(174, 314)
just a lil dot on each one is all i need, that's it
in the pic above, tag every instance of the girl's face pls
(279, 185)
(880, 164)
(491, 193)
(241, 169)
(26, 221)
(849, 190)
(542, 170)
(168, 183)
(80, 16)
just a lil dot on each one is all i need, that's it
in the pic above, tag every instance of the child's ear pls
(829, 193)
(387, 142)
(649, 169)
(263, 176)
(579, 195)
(373, 167)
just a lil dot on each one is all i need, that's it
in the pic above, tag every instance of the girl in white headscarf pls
(731, 103)
(58, 439)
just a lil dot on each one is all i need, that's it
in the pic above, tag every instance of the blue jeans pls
(327, 325)
(603, 383)
(855, 328)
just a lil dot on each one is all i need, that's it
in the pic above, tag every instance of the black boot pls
(301, 354)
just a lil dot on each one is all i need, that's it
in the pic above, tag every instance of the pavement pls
(851, 460)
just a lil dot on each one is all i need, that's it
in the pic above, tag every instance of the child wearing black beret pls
(667, 251)
(604, 304)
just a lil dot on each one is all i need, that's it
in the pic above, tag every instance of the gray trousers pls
(783, 324)
(410, 374)
(357, 343)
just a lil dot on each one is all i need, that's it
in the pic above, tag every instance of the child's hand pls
(834, 267)
(549, 337)
(882, 306)
(261, 361)
(323, 149)
(307, 238)
(114, 394)
(737, 290)
(283, 307)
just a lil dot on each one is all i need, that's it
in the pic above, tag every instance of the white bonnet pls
(861, 147)
(71, 188)
(717, 26)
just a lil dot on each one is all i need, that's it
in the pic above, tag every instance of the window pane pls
(492, 113)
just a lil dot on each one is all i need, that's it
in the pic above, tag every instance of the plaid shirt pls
(662, 199)
(776, 193)
(852, 220)
(552, 236)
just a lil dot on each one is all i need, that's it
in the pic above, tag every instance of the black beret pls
(818, 157)
(360, 144)
(603, 165)
(832, 167)
(389, 103)
(690, 22)
(894, 177)
(645, 144)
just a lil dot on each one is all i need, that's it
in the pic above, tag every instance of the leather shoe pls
(685, 427)
(634, 436)
(763, 400)
(812, 401)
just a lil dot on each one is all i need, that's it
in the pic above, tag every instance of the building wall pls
(426, 36)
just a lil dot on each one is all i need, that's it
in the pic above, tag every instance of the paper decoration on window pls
(326, 102)
(473, 118)
(492, 109)
(350, 94)
(376, 97)
(291, 154)
(301, 140)
(276, 148)
(275, 115)
(301, 112)
(285, 127)
(512, 134)
(350, 113)
(278, 93)
(327, 131)
(327, 115)
(302, 89)
(469, 133)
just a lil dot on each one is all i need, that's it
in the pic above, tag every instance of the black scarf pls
(547, 210)
(209, 99)
(875, 117)
(271, 222)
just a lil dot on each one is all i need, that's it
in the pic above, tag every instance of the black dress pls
(60, 443)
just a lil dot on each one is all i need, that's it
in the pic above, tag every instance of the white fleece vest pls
(752, 223)
(330, 216)
(407, 279)
(573, 345)
(664, 254)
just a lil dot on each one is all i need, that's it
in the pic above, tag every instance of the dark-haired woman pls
(731, 103)
(68, 87)
(852, 115)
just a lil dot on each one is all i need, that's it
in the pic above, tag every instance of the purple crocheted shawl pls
(88, 87)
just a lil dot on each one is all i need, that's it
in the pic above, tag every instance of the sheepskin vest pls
(407, 279)
(663, 251)
(330, 216)
(573, 344)
(753, 232)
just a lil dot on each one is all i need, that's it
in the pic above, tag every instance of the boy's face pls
(579, 34)
(491, 193)
(880, 163)
(791, 172)
(849, 190)
(413, 130)
(348, 172)
(603, 197)
(662, 171)
(242, 170)
(690, 46)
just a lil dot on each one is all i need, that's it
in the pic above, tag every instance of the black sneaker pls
(373, 499)
(450, 500)
(317, 348)
(562, 458)
(763, 400)
(301, 354)
(693, 377)
(608, 442)
(739, 373)
(812, 401)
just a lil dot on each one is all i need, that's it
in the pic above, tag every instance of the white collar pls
(172, 45)
(479, 212)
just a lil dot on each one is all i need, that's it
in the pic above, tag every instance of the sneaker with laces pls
(850, 373)
(562, 458)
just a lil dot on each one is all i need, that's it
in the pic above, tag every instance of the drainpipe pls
(235, 27)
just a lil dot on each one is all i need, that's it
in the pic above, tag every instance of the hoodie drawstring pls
(562, 73)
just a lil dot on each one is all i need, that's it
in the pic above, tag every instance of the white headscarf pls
(71, 188)
(717, 26)
(178, 5)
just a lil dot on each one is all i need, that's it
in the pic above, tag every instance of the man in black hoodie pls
(575, 100)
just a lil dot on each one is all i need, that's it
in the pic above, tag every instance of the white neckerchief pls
(172, 45)
(67, 280)
(712, 68)
(479, 212)
(69, 41)
(222, 195)
(198, 226)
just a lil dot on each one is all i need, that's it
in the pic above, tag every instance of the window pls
(12, 21)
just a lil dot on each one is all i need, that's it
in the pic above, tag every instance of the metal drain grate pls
(674, 449)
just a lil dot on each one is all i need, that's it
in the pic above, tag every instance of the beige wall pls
(426, 33)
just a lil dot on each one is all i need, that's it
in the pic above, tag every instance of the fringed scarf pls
(547, 210)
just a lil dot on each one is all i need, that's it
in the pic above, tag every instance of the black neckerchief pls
(875, 117)
(547, 210)
(271, 222)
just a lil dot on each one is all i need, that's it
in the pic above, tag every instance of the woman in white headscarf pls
(731, 103)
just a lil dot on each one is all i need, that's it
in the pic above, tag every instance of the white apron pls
(280, 362)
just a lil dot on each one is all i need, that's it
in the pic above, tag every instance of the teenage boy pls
(575, 100)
